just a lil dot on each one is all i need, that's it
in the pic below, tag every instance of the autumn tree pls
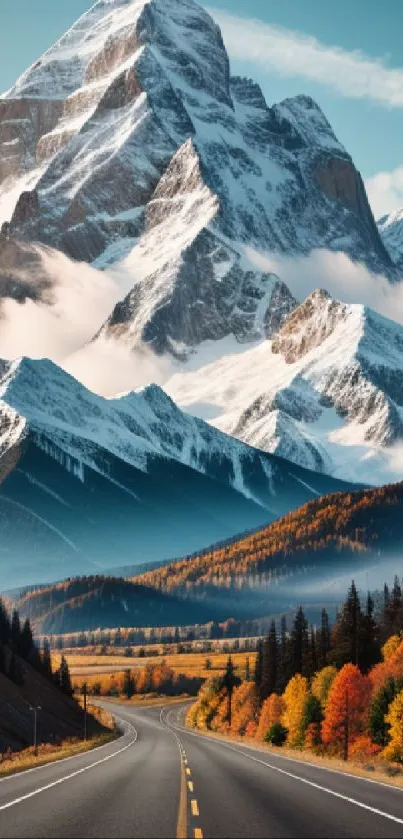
(390, 646)
(295, 698)
(347, 709)
(244, 709)
(272, 712)
(322, 682)
(378, 725)
(394, 719)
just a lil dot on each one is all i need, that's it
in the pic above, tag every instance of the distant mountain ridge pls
(87, 483)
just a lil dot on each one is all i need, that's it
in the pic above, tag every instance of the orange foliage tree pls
(272, 712)
(347, 709)
(391, 667)
(244, 708)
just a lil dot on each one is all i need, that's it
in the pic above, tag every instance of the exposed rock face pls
(327, 391)
(116, 113)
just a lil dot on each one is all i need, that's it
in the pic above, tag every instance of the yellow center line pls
(198, 833)
(188, 772)
(194, 807)
(190, 785)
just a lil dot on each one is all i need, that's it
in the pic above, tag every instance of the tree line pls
(335, 689)
(18, 645)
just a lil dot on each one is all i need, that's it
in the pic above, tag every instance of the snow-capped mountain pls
(88, 482)
(390, 228)
(130, 141)
(326, 392)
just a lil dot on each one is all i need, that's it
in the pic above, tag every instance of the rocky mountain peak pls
(308, 325)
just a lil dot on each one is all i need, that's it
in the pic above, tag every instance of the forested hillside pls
(87, 603)
(27, 681)
(327, 530)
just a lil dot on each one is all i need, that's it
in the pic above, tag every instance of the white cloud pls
(352, 74)
(78, 302)
(385, 191)
(108, 367)
(334, 271)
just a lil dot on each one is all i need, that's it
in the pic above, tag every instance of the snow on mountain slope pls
(87, 482)
(391, 231)
(142, 148)
(326, 392)
(133, 427)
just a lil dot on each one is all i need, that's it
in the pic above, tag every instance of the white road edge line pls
(299, 762)
(61, 760)
(305, 780)
(71, 775)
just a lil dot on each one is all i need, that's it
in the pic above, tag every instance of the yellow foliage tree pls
(295, 697)
(272, 711)
(394, 749)
(322, 682)
(390, 646)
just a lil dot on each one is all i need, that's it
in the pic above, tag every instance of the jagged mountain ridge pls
(89, 483)
(326, 392)
(135, 138)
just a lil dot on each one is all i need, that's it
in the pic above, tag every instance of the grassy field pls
(190, 664)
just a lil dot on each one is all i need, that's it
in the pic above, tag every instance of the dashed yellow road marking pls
(188, 772)
(198, 833)
(194, 807)
(190, 785)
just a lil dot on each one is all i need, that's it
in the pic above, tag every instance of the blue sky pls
(346, 55)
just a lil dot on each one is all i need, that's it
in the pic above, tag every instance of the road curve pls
(129, 788)
(162, 780)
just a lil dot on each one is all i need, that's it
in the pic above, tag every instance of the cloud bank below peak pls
(351, 74)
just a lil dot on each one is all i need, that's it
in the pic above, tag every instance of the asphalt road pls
(160, 780)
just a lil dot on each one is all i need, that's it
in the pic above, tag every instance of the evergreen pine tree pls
(129, 687)
(46, 660)
(247, 670)
(284, 669)
(299, 643)
(15, 630)
(26, 647)
(324, 640)
(258, 666)
(14, 670)
(64, 678)
(5, 628)
(379, 728)
(369, 641)
(312, 656)
(347, 632)
(230, 681)
(269, 664)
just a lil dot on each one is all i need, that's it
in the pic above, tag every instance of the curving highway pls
(160, 780)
